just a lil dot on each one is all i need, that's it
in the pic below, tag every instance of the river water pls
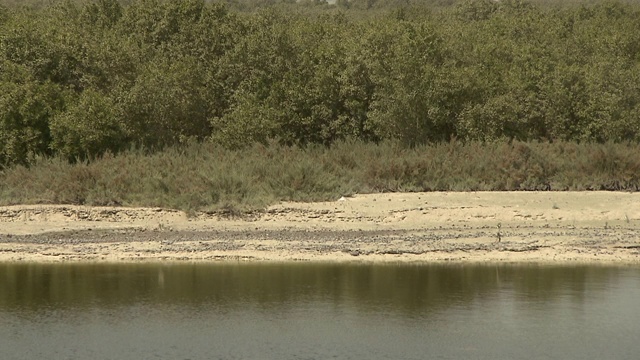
(318, 311)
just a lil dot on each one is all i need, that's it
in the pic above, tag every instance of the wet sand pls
(545, 227)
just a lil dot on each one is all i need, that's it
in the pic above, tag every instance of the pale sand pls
(543, 227)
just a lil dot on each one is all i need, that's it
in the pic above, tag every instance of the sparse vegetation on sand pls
(207, 177)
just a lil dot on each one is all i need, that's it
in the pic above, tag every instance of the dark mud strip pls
(355, 243)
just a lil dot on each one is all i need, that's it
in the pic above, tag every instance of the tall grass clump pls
(207, 177)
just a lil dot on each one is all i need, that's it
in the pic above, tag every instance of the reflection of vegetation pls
(402, 287)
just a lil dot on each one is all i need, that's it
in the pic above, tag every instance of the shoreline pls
(471, 227)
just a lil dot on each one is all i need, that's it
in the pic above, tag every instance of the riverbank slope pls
(437, 227)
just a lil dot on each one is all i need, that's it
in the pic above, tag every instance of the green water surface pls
(318, 311)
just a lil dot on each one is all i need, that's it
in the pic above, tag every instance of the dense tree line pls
(79, 78)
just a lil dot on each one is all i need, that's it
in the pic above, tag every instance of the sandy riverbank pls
(472, 227)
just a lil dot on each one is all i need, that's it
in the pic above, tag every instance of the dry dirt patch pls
(483, 226)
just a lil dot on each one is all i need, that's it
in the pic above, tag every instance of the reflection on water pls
(318, 311)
